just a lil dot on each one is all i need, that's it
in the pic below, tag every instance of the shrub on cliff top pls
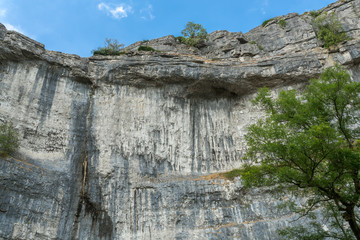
(266, 22)
(107, 52)
(281, 22)
(9, 139)
(314, 13)
(112, 47)
(193, 34)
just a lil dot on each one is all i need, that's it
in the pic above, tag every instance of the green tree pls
(308, 145)
(112, 47)
(193, 34)
(9, 139)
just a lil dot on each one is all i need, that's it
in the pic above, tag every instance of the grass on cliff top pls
(112, 48)
(281, 22)
(266, 22)
(314, 13)
(107, 52)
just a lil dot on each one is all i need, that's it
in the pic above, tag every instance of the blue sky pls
(79, 26)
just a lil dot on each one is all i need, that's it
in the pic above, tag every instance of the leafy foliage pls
(9, 139)
(112, 47)
(233, 174)
(329, 29)
(146, 48)
(315, 232)
(266, 22)
(193, 34)
(314, 13)
(107, 52)
(181, 39)
(331, 225)
(309, 145)
(258, 45)
(282, 23)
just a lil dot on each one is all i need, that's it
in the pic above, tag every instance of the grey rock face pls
(129, 147)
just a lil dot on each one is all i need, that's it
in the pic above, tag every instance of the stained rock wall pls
(130, 147)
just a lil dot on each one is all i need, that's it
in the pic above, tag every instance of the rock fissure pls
(85, 206)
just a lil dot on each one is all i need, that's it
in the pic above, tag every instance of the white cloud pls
(13, 28)
(17, 28)
(118, 11)
(265, 5)
(147, 13)
(3, 13)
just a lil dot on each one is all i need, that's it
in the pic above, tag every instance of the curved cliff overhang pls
(101, 160)
(289, 55)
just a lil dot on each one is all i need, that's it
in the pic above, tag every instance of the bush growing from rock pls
(329, 30)
(314, 13)
(146, 48)
(193, 34)
(9, 139)
(112, 47)
(282, 23)
(266, 22)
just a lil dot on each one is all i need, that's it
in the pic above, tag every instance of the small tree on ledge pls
(193, 34)
(112, 47)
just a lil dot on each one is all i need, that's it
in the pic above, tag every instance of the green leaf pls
(309, 144)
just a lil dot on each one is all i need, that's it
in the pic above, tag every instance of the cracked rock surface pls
(130, 147)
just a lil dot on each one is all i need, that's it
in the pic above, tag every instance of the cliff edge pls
(130, 146)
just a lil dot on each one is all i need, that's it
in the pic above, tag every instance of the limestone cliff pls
(128, 147)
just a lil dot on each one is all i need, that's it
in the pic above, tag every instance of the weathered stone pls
(129, 147)
(168, 44)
